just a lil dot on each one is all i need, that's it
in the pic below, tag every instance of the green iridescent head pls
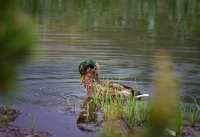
(85, 67)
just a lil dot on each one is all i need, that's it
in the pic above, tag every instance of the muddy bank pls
(189, 131)
(19, 132)
(9, 115)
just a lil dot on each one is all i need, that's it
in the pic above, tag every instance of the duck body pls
(109, 88)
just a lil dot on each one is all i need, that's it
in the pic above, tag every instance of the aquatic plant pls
(135, 113)
(142, 113)
(112, 108)
(118, 107)
(178, 122)
(96, 97)
(193, 112)
(33, 123)
(129, 112)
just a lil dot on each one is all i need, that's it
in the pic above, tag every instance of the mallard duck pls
(89, 77)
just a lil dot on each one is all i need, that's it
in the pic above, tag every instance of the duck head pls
(88, 74)
(88, 70)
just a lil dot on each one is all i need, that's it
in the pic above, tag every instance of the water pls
(123, 36)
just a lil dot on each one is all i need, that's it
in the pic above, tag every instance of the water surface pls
(122, 35)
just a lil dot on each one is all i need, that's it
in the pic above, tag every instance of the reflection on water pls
(89, 118)
(122, 35)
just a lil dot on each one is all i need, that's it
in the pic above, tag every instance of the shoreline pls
(59, 121)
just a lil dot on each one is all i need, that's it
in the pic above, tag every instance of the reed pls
(129, 112)
(178, 124)
(33, 123)
(193, 112)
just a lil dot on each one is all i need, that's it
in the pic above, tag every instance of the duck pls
(89, 78)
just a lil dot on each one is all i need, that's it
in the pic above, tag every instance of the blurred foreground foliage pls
(165, 102)
(16, 40)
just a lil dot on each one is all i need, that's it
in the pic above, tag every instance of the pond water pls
(122, 35)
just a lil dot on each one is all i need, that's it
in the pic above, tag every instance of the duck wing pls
(110, 88)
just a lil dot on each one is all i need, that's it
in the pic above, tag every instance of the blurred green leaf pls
(16, 40)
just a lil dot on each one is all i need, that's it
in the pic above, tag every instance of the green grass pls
(136, 113)
(133, 111)
(129, 112)
(193, 112)
(179, 120)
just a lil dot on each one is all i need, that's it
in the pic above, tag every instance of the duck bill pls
(82, 79)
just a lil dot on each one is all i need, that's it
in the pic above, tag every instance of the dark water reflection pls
(123, 36)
